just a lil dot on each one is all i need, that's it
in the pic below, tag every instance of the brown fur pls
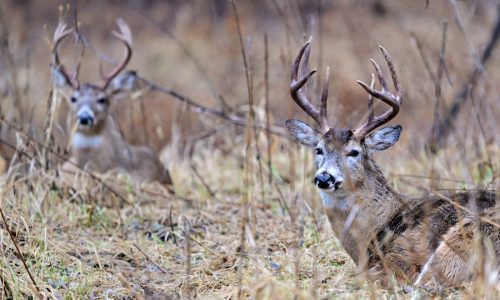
(409, 231)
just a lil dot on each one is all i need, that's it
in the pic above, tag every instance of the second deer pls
(419, 239)
(96, 143)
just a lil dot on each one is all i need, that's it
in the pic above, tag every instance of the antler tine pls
(59, 34)
(371, 110)
(394, 101)
(324, 97)
(124, 34)
(298, 94)
(305, 60)
(392, 69)
(78, 65)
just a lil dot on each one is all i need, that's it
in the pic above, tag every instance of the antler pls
(298, 94)
(125, 36)
(394, 101)
(59, 34)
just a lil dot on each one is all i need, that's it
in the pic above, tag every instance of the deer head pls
(342, 155)
(89, 103)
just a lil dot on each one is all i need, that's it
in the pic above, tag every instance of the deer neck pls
(91, 139)
(98, 137)
(100, 149)
(356, 215)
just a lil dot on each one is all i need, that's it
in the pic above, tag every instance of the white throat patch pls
(82, 141)
(331, 200)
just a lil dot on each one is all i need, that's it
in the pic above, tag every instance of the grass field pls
(246, 219)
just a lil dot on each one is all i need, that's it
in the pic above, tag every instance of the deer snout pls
(324, 180)
(85, 117)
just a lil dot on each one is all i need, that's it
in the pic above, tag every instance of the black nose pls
(324, 180)
(86, 120)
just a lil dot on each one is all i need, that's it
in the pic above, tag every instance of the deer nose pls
(85, 119)
(324, 180)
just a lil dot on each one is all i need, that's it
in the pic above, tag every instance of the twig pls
(293, 208)
(251, 125)
(245, 200)
(202, 180)
(203, 246)
(22, 152)
(149, 259)
(268, 110)
(437, 89)
(5, 287)
(281, 200)
(277, 130)
(284, 20)
(187, 249)
(197, 63)
(65, 159)
(429, 178)
(172, 227)
(136, 294)
(21, 256)
(448, 117)
(481, 126)
(423, 56)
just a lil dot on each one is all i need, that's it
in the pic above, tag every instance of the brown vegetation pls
(229, 231)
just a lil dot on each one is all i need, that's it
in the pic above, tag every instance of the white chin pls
(336, 192)
(329, 190)
(84, 127)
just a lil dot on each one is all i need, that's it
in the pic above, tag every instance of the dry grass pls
(141, 243)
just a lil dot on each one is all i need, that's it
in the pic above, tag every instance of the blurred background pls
(193, 48)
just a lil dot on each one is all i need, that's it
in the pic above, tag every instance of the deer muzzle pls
(324, 181)
(85, 117)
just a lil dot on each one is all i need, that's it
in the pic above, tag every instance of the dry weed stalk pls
(18, 250)
(246, 200)
(446, 124)
(268, 111)
(201, 109)
(187, 253)
(33, 142)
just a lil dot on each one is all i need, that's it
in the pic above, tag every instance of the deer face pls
(339, 156)
(88, 107)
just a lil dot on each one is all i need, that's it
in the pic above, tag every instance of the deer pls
(430, 238)
(97, 143)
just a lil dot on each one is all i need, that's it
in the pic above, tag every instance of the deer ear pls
(122, 84)
(383, 138)
(61, 82)
(303, 133)
(60, 79)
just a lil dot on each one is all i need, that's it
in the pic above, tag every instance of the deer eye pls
(101, 100)
(353, 153)
(319, 151)
(73, 99)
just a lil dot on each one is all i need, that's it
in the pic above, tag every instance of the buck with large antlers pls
(419, 239)
(96, 142)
